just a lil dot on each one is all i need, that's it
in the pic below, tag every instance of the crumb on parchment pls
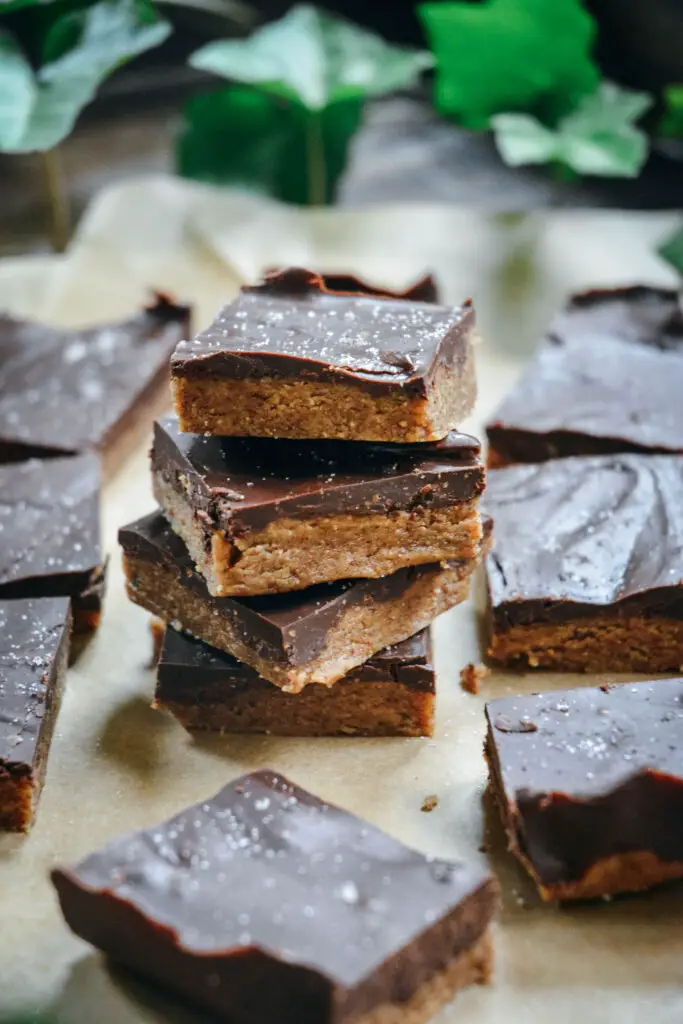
(471, 676)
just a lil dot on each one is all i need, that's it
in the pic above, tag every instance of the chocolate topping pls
(292, 326)
(424, 290)
(608, 377)
(62, 391)
(265, 897)
(194, 672)
(49, 526)
(583, 535)
(245, 483)
(289, 627)
(33, 633)
(600, 776)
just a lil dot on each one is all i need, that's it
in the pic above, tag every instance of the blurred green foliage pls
(309, 73)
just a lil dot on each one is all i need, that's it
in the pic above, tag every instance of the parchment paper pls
(117, 765)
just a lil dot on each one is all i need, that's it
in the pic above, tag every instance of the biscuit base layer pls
(601, 644)
(359, 632)
(473, 966)
(292, 554)
(273, 407)
(349, 708)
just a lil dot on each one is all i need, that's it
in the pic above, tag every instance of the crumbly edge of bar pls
(19, 796)
(292, 554)
(599, 644)
(473, 966)
(312, 409)
(358, 633)
(349, 708)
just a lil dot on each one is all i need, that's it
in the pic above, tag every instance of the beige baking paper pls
(117, 765)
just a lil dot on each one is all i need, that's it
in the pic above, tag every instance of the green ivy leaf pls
(38, 109)
(671, 250)
(510, 55)
(239, 136)
(598, 138)
(671, 125)
(315, 59)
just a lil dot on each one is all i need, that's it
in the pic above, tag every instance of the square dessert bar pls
(66, 391)
(50, 533)
(307, 636)
(260, 515)
(290, 358)
(265, 904)
(33, 657)
(607, 378)
(589, 783)
(587, 568)
(392, 694)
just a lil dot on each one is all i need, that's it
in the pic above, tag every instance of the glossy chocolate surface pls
(242, 484)
(581, 536)
(608, 377)
(291, 326)
(49, 527)
(264, 886)
(600, 774)
(63, 391)
(191, 671)
(32, 636)
(289, 627)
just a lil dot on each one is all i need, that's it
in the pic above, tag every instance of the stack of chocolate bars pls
(70, 410)
(318, 509)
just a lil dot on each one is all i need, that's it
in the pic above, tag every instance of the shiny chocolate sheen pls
(600, 775)
(49, 526)
(264, 903)
(245, 483)
(608, 377)
(292, 326)
(191, 671)
(289, 628)
(64, 391)
(579, 536)
(33, 634)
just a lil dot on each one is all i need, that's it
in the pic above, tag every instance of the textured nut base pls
(358, 633)
(349, 708)
(292, 554)
(270, 407)
(473, 967)
(602, 644)
(135, 424)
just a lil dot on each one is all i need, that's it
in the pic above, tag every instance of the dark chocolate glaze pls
(291, 326)
(49, 527)
(424, 290)
(243, 484)
(601, 775)
(291, 627)
(63, 391)
(32, 638)
(584, 536)
(264, 903)
(192, 672)
(608, 377)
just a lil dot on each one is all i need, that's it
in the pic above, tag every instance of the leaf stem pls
(315, 159)
(59, 204)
